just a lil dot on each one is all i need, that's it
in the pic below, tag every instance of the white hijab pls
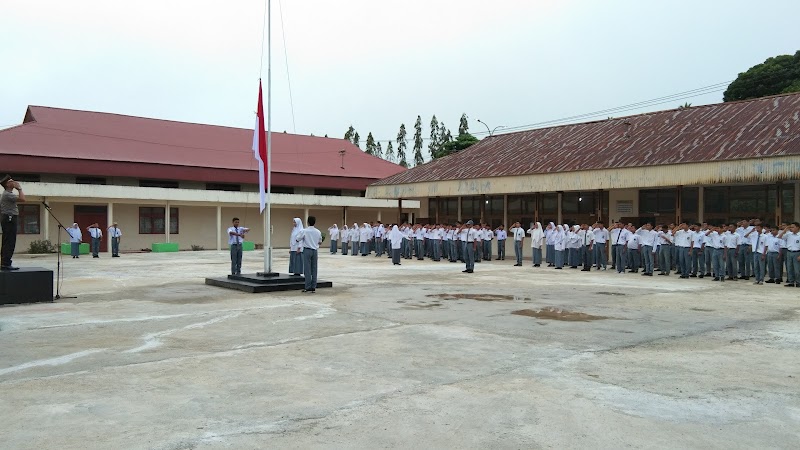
(396, 237)
(298, 227)
(537, 235)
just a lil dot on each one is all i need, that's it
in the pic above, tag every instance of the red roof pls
(757, 128)
(54, 140)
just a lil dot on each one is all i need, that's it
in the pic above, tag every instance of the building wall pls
(622, 195)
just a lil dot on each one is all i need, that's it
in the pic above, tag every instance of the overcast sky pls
(376, 64)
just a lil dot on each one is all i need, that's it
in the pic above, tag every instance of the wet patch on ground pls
(558, 314)
(610, 293)
(702, 310)
(479, 297)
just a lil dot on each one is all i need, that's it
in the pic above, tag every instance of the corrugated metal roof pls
(727, 131)
(64, 133)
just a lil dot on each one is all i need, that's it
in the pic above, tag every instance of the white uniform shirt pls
(600, 235)
(773, 244)
(730, 240)
(792, 241)
(75, 234)
(114, 232)
(714, 240)
(760, 242)
(488, 235)
(95, 233)
(334, 232)
(309, 238)
(633, 241)
(683, 238)
(502, 235)
(518, 233)
(698, 239)
(235, 239)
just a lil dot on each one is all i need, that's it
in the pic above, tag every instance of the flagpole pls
(267, 218)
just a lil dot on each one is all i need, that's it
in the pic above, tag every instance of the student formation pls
(738, 251)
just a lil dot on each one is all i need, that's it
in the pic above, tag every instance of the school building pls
(175, 182)
(717, 163)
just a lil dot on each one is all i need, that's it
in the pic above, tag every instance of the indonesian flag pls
(260, 150)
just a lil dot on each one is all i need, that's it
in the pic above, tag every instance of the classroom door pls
(86, 215)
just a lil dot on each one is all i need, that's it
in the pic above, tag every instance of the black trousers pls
(9, 227)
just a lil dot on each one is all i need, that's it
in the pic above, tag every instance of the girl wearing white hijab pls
(574, 247)
(559, 244)
(296, 248)
(537, 238)
(549, 235)
(396, 238)
(345, 232)
(365, 232)
(333, 232)
(75, 239)
(355, 238)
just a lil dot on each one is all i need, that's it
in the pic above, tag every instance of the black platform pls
(26, 285)
(254, 283)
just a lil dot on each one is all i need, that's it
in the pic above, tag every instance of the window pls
(656, 201)
(689, 202)
(90, 180)
(332, 192)
(28, 220)
(281, 190)
(470, 208)
(716, 199)
(578, 202)
(549, 203)
(159, 183)
(151, 220)
(223, 187)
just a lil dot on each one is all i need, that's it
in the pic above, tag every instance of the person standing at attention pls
(75, 238)
(396, 239)
(295, 250)
(310, 238)
(10, 212)
(235, 239)
(333, 232)
(469, 246)
(519, 237)
(116, 235)
(97, 234)
(501, 242)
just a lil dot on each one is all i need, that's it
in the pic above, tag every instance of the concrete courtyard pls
(417, 356)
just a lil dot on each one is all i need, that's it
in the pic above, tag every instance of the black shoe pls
(589, 270)
(708, 274)
(517, 265)
(700, 276)
(9, 268)
(559, 268)
(649, 274)
(662, 274)
(789, 285)
(715, 279)
(694, 276)
(770, 281)
(779, 280)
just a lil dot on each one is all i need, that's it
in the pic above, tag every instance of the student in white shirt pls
(295, 250)
(559, 245)
(664, 250)
(586, 237)
(791, 236)
(698, 252)
(502, 235)
(488, 236)
(345, 237)
(746, 235)
(75, 239)
(549, 239)
(600, 245)
(97, 235)
(731, 241)
(634, 250)
(396, 240)
(309, 239)
(355, 239)
(468, 233)
(235, 239)
(715, 250)
(647, 241)
(519, 236)
(773, 244)
(333, 233)
(116, 236)
(537, 240)
(759, 252)
(683, 242)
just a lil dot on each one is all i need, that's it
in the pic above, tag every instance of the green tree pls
(433, 145)
(401, 146)
(418, 142)
(685, 105)
(370, 144)
(463, 125)
(777, 75)
(378, 150)
(356, 139)
(444, 138)
(349, 134)
(460, 143)
(389, 156)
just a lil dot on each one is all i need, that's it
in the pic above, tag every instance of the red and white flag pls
(260, 150)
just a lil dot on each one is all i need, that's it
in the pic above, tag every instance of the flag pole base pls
(267, 274)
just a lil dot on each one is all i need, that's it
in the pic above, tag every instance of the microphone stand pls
(58, 253)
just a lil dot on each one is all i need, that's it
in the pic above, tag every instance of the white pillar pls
(459, 208)
(109, 222)
(796, 201)
(701, 204)
(219, 227)
(379, 215)
(166, 223)
(46, 224)
(305, 220)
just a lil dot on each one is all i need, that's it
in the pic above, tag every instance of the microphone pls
(45, 205)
